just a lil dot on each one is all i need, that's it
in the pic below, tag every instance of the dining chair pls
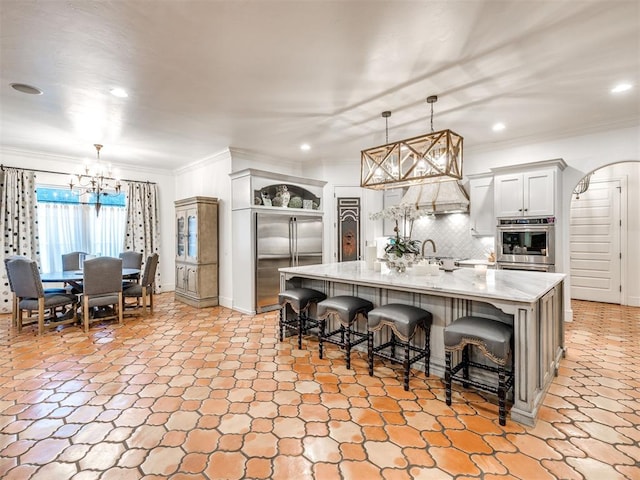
(31, 297)
(143, 291)
(102, 290)
(131, 259)
(71, 261)
(14, 300)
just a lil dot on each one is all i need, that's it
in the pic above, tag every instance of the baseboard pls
(226, 302)
(242, 310)
(568, 315)
(634, 301)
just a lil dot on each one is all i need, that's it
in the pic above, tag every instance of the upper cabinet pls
(530, 192)
(482, 219)
(258, 189)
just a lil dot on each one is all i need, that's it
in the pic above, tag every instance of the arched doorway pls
(604, 236)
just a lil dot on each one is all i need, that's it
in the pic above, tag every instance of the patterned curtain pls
(19, 217)
(142, 232)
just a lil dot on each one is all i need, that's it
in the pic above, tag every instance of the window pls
(67, 222)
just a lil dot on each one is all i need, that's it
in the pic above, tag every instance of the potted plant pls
(401, 250)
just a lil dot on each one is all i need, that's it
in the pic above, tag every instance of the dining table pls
(75, 277)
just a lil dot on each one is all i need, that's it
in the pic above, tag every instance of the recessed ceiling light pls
(24, 88)
(498, 127)
(119, 92)
(621, 87)
(305, 147)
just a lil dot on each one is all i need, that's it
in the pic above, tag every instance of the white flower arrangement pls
(407, 213)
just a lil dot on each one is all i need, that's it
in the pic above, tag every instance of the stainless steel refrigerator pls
(283, 240)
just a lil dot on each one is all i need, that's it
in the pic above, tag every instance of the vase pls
(399, 264)
(285, 198)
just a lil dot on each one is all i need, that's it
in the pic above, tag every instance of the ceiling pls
(266, 76)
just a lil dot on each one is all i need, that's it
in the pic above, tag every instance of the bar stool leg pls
(347, 345)
(300, 328)
(406, 364)
(465, 365)
(393, 345)
(427, 348)
(370, 352)
(323, 328)
(502, 414)
(447, 378)
(283, 313)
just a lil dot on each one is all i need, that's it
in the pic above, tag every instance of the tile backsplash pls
(452, 236)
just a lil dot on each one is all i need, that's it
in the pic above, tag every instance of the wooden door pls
(348, 229)
(595, 247)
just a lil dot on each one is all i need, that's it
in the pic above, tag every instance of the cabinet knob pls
(526, 209)
(519, 209)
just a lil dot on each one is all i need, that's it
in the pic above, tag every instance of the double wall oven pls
(526, 244)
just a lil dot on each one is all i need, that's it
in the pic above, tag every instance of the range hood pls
(438, 197)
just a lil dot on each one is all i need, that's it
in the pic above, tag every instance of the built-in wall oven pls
(526, 244)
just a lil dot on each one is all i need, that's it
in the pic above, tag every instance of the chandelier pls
(434, 157)
(95, 180)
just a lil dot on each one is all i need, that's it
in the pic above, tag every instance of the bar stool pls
(299, 299)
(494, 340)
(403, 321)
(346, 308)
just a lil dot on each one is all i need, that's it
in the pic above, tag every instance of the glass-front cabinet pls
(192, 235)
(180, 236)
(187, 234)
(196, 281)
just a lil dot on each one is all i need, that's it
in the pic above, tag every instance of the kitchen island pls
(530, 301)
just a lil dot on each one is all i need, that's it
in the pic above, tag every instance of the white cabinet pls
(197, 251)
(482, 219)
(525, 194)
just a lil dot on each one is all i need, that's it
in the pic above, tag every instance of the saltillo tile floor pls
(211, 393)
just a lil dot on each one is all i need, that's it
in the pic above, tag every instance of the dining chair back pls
(14, 301)
(71, 261)
(102, 290)
(31, 296)
(131, 259)
(143, 291)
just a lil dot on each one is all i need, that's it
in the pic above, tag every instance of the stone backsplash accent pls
(452, 236)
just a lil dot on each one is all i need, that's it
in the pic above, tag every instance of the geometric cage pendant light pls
(433, 157)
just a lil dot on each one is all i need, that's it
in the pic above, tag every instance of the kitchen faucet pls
(433, 244)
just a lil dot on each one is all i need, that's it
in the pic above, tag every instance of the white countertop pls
(475, 261)
(509, 285)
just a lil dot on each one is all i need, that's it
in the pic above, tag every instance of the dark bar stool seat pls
(403, 320)
(346, 309)
(299, 299)
(494, 340)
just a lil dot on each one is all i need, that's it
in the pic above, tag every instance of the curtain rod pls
(2, 167)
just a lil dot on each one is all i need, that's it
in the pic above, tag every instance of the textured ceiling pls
(266, 76)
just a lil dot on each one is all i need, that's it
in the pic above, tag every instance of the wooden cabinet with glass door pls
(197, 251)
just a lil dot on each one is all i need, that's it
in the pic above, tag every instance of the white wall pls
(210, 178)
(66, 165)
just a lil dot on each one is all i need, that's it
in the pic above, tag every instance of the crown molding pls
(64, 159)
